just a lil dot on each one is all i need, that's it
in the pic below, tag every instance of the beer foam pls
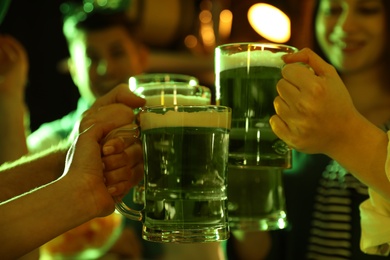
(171, 99)
(171, 118)
(256, 58)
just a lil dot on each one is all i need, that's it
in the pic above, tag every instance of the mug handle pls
(130, 134)
(139, 193)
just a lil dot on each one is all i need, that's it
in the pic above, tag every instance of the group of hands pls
(311, 101)
(308, 108)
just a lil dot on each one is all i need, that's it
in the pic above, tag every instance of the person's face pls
(101, 60)
(351, 33)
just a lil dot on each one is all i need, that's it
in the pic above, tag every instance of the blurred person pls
(92, 175)
(28, 173)
(104, 51)
(322, 196)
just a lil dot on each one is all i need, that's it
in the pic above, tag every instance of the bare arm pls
(31, 171)
(42, 215)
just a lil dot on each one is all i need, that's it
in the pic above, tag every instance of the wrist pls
(347, 135)
(90, 191)
(78, 194)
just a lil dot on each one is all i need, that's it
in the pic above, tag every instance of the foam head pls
(251, 58)
(237, 55)
(185, 116)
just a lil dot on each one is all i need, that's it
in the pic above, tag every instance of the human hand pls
(84, 164)
(312, 103)
(14, 67)
(123, 159)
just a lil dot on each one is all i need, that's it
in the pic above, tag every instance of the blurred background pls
(181, 35)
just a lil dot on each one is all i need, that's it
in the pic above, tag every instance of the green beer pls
(167, 89)
(254, 198)
(185, 158)
(251, 92)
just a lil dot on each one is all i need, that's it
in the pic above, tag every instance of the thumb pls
(120, 94)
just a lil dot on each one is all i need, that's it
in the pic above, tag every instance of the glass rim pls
(268, 45)
(177, 107)
(177, 85)
(148, 78)
(164, 75)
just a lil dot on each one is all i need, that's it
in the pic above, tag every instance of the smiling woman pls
(353, 36)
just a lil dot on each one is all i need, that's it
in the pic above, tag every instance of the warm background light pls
(270, 22)
(225, 24)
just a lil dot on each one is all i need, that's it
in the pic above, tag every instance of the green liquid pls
(256, 198)
(185, 177)
(250, 93)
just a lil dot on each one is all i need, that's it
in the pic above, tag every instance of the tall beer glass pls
(246, 77)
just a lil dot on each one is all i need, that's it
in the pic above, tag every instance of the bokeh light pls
(270, 22)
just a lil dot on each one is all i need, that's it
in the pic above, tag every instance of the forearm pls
(362, 150)
(31, 171)
(12, 130)
(32, 219)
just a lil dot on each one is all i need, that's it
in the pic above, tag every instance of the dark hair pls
(97, 20)
(316, 47)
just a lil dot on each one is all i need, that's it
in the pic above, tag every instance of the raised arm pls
(13, 110)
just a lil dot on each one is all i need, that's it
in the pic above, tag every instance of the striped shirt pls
(335, 225)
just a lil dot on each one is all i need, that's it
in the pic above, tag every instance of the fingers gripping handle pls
(129, 134)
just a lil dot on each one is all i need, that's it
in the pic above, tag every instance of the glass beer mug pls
(185, 152)
(246, 78)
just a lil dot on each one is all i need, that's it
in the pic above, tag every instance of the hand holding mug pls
(86, 150)
(312, 101)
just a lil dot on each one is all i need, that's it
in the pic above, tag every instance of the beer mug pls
(246, 78)
(167, 89)
(185, 151)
